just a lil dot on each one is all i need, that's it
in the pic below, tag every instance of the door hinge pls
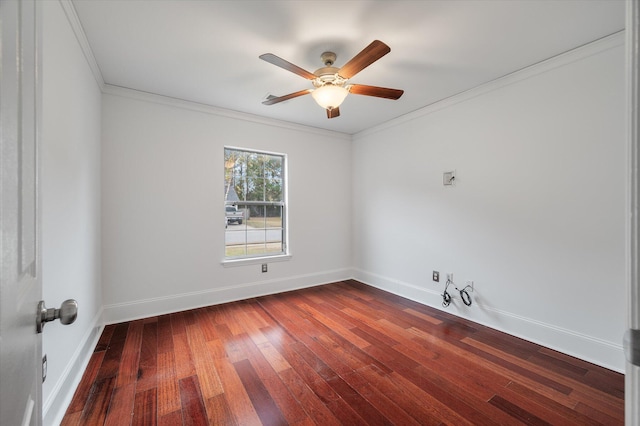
(631, 346)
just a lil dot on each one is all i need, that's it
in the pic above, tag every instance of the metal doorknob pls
(631, 345)
(67, 313)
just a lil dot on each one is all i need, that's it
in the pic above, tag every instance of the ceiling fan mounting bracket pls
(328, 58)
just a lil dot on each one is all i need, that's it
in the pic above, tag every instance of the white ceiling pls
(207, 51)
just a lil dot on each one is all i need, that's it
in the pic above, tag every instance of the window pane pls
(273, 178)
(260, 234)
(255, 165)
(253, 228)
(273, 189)
(257, 220)
(255, 189)
(273, 218)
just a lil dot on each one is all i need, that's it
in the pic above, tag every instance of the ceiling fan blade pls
(277, 99)
(378, 92)
(366, 57)
(333, 112)
(279, 62)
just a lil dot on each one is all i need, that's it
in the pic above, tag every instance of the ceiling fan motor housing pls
(328, 74)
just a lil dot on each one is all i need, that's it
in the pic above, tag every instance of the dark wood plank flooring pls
(343, 353)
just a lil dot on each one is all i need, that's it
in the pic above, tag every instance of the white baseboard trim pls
(597, 351)
(55, 406)
(128, 311)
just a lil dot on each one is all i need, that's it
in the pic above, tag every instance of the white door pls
(20, 287)
(632, 376)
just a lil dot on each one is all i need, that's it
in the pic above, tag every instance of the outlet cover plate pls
(449, 178)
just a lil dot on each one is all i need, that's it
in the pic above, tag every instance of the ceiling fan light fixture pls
(329, 96)
(330, 83)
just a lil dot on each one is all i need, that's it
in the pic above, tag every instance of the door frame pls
(632, 376)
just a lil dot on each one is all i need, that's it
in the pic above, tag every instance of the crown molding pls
(217, 111)
(76, 26)
(582, 52)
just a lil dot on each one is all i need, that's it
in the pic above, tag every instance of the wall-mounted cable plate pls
(449, 178)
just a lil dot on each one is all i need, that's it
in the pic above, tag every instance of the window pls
(255, 204)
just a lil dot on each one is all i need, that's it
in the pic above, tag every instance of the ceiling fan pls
(330, 83)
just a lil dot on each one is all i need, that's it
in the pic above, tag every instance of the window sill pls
(228, 263)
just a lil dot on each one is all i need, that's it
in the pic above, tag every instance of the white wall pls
(163, 206)
(70, 182)
(536, 217)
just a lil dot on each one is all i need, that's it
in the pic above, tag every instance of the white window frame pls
(263, 258)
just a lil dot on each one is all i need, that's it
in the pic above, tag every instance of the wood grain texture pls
(121, 405)
(148, 364)
(168, 392)
(145, 408)
(130, 361)
(85, 386)
(337, 354)
(193, 411)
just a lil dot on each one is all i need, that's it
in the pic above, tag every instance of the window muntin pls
(255, 186)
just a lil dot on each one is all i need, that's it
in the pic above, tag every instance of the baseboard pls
(56, 404)
(596, 351)
(145, 308)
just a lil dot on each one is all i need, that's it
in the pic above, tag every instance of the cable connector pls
(464, 295)
(446, 297)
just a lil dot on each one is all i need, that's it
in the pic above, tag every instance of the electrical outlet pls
(264, 267)
(436, 276)
(450, 276)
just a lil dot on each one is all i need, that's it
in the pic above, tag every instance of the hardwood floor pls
(343, 353)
